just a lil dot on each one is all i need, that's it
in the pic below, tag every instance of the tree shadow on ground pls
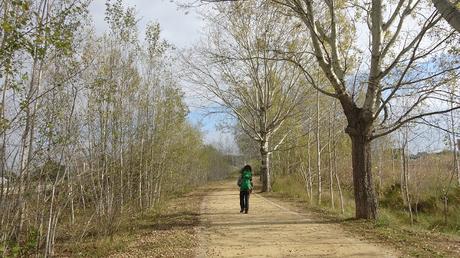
(189, 220)
(271, 223)
(182, 220)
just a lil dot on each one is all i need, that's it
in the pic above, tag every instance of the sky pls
(179, 26)
(183, 29)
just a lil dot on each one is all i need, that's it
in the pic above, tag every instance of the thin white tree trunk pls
(141, 171)
(405, 172)
(342, 209)
(331, 173)
(310, 174)
(379, 171)
(318, 151)
(453, 138)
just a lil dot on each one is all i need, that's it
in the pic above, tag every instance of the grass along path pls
(207, 223)
(171, 232)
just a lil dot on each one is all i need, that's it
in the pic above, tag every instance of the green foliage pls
(100, 247)
(383, 220)
(392, 197)
(23, 249)
(290, 186)
(155, 46)
(103, 122)
(215, 162)
(392, 212)
(453, 196)
(122, 21)
(48, 172)
(428, 205)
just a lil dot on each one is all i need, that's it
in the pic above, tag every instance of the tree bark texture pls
(265, 167)
(359, 128)
(449, 12)
(366, 203)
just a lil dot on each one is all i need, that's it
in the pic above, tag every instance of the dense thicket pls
(93, 128)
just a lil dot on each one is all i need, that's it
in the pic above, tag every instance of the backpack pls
(240, 180)
(246, 183)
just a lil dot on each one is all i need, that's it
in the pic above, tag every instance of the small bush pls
(383, 220)
(427, 205)
(290, 186)
(454, 196)
(25, 248)
(392, 198)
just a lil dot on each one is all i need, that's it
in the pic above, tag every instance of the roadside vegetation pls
(169, 230)
(433, 231)
(94, 130)
(349, 106)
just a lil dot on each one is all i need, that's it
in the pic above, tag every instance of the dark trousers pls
(244, 200)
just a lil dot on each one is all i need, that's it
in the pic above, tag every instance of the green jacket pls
(246, 180)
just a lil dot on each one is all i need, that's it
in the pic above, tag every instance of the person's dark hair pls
(247, 167)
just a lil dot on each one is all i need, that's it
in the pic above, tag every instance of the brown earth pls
(173, 233)
(207, 223)
(272, 229)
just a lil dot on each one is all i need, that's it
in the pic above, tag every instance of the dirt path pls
(272, 230)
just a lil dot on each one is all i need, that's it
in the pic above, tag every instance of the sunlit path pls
(272, 230)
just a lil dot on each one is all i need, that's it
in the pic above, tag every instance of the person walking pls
(246, 185)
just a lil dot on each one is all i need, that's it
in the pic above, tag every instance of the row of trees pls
(385, 64)
(93, 128)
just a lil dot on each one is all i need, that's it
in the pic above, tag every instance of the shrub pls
(427, 205)
(392, 198)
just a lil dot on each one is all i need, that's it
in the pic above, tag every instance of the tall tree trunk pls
(141, 171)
(338, 180)
(365, 201)
(402, 176)
(393, 165)
(405, 172)
(3, 120)
(329, 150)
(318, 151)
(453, 138)
(334, 152)
(359, 129)
(50, 220)
(28, 139)
(3, 141)
(310, 175)
(265, 166)
(449, 12)
(379, 172)
(310, 179)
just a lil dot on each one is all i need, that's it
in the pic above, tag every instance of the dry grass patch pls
(170, 232)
